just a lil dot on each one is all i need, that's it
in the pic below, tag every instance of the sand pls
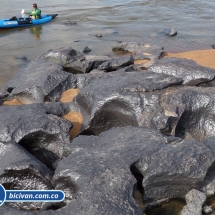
(12, 102)
(76, 119)
(202, 57)
(69, 95)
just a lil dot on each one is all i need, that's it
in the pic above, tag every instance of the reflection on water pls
(173, 207)
(36, 31)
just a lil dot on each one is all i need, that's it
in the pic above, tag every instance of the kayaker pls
(35, 13)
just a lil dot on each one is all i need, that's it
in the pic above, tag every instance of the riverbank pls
(201, 57)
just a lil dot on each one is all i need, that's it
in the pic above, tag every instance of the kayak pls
(20, 22)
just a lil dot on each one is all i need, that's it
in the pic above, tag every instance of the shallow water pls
(116, 20)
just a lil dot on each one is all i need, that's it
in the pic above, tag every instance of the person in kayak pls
(35, 13)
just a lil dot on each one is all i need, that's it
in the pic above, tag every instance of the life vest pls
(33, 14)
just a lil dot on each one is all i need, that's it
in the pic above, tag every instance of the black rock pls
(116, 63)
(72, 60)
(140, 51)
(98, 35)
(39, 81)
(192, 73)
(213, 46)
(36, 129)
(68, 22)
(21, 171)
(86, 50)
(117, 100)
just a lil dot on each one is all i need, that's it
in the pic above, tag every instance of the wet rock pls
(194, 199)
(192, 109)
(100, 182)
(213, 46)
(174, 169)
(117, 100)
(36, 129)
(40, 81)
(98, 35)
(95, 61)
(86, 50)
(172, 32)
(131, 68)
(140, 51)
(4, 93)
(69, 22)
(22, 171)
(113, 64)
(192, 73)
(72, 60)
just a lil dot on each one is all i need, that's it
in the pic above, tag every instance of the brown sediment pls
(202, 57)
(12, 102)
(137, 62)
(69, 95)
(77, 120)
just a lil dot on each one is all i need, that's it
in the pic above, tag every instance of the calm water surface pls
(127, 20)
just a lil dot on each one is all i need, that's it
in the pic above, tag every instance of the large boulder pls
(40, 81)
(118, 100)
(192, 73)
(96, 175)
(36, 129)
(19, 170)
(175, 169)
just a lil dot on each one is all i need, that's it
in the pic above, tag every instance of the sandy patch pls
(12, 102)
(77, 120)
(69, 95)
(201, 57)
(137, 62)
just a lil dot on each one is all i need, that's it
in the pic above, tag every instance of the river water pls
(116, 20)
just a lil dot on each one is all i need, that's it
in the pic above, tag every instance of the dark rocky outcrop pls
(192, 73)
(116, 63)
(117, 100)
(40, 81)
(140, 51)
(100, 182)
(44, 135)
(19, 170)
(191, 110)
(86, 50)
(70, 59)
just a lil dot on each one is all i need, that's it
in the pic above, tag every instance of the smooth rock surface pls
(192, 73)
(116, 63)
(117, 100)
(36, 129)
(40, 81)
(69, 58)
(19, 170)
